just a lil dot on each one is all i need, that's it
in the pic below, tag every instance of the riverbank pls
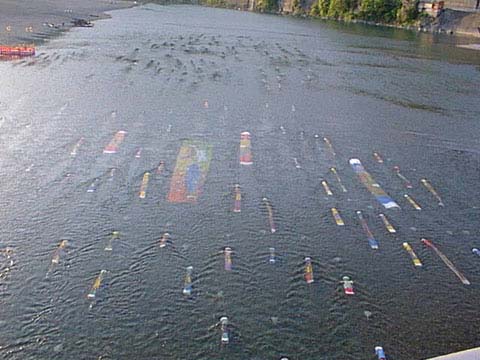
(25, 21)
(454, 22)
(35, 22)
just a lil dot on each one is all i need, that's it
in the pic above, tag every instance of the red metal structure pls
(17, 50)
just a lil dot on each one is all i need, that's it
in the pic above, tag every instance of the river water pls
(176, 73)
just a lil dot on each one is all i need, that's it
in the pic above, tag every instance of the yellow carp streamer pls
(96, 284)
(337, 217)
(308, 271)
(387, 224)
(432, 191)
(326, 188)
(330, 146)
(56, 254)
(412, 202)
(143, 187)
(334, 171)
(415, 259)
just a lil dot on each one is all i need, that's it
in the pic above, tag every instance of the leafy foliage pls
(384, 11)
(408, 13)
(267, 5)
(215, 3)
(379, 10)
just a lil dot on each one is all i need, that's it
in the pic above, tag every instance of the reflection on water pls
(98, 260)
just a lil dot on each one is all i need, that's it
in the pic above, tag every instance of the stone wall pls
(460, 22)
(465, 5)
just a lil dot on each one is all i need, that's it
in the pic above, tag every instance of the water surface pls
(152, 71)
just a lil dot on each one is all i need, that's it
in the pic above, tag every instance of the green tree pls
(215, 3)
(314, 10)
(323, 6)
(379, 10)
(408, 12)
(336, 8)
(297, 7)
(267, 5)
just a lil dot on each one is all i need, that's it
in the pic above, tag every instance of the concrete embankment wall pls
(458, 22)
(463, 5)
(472, 354)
